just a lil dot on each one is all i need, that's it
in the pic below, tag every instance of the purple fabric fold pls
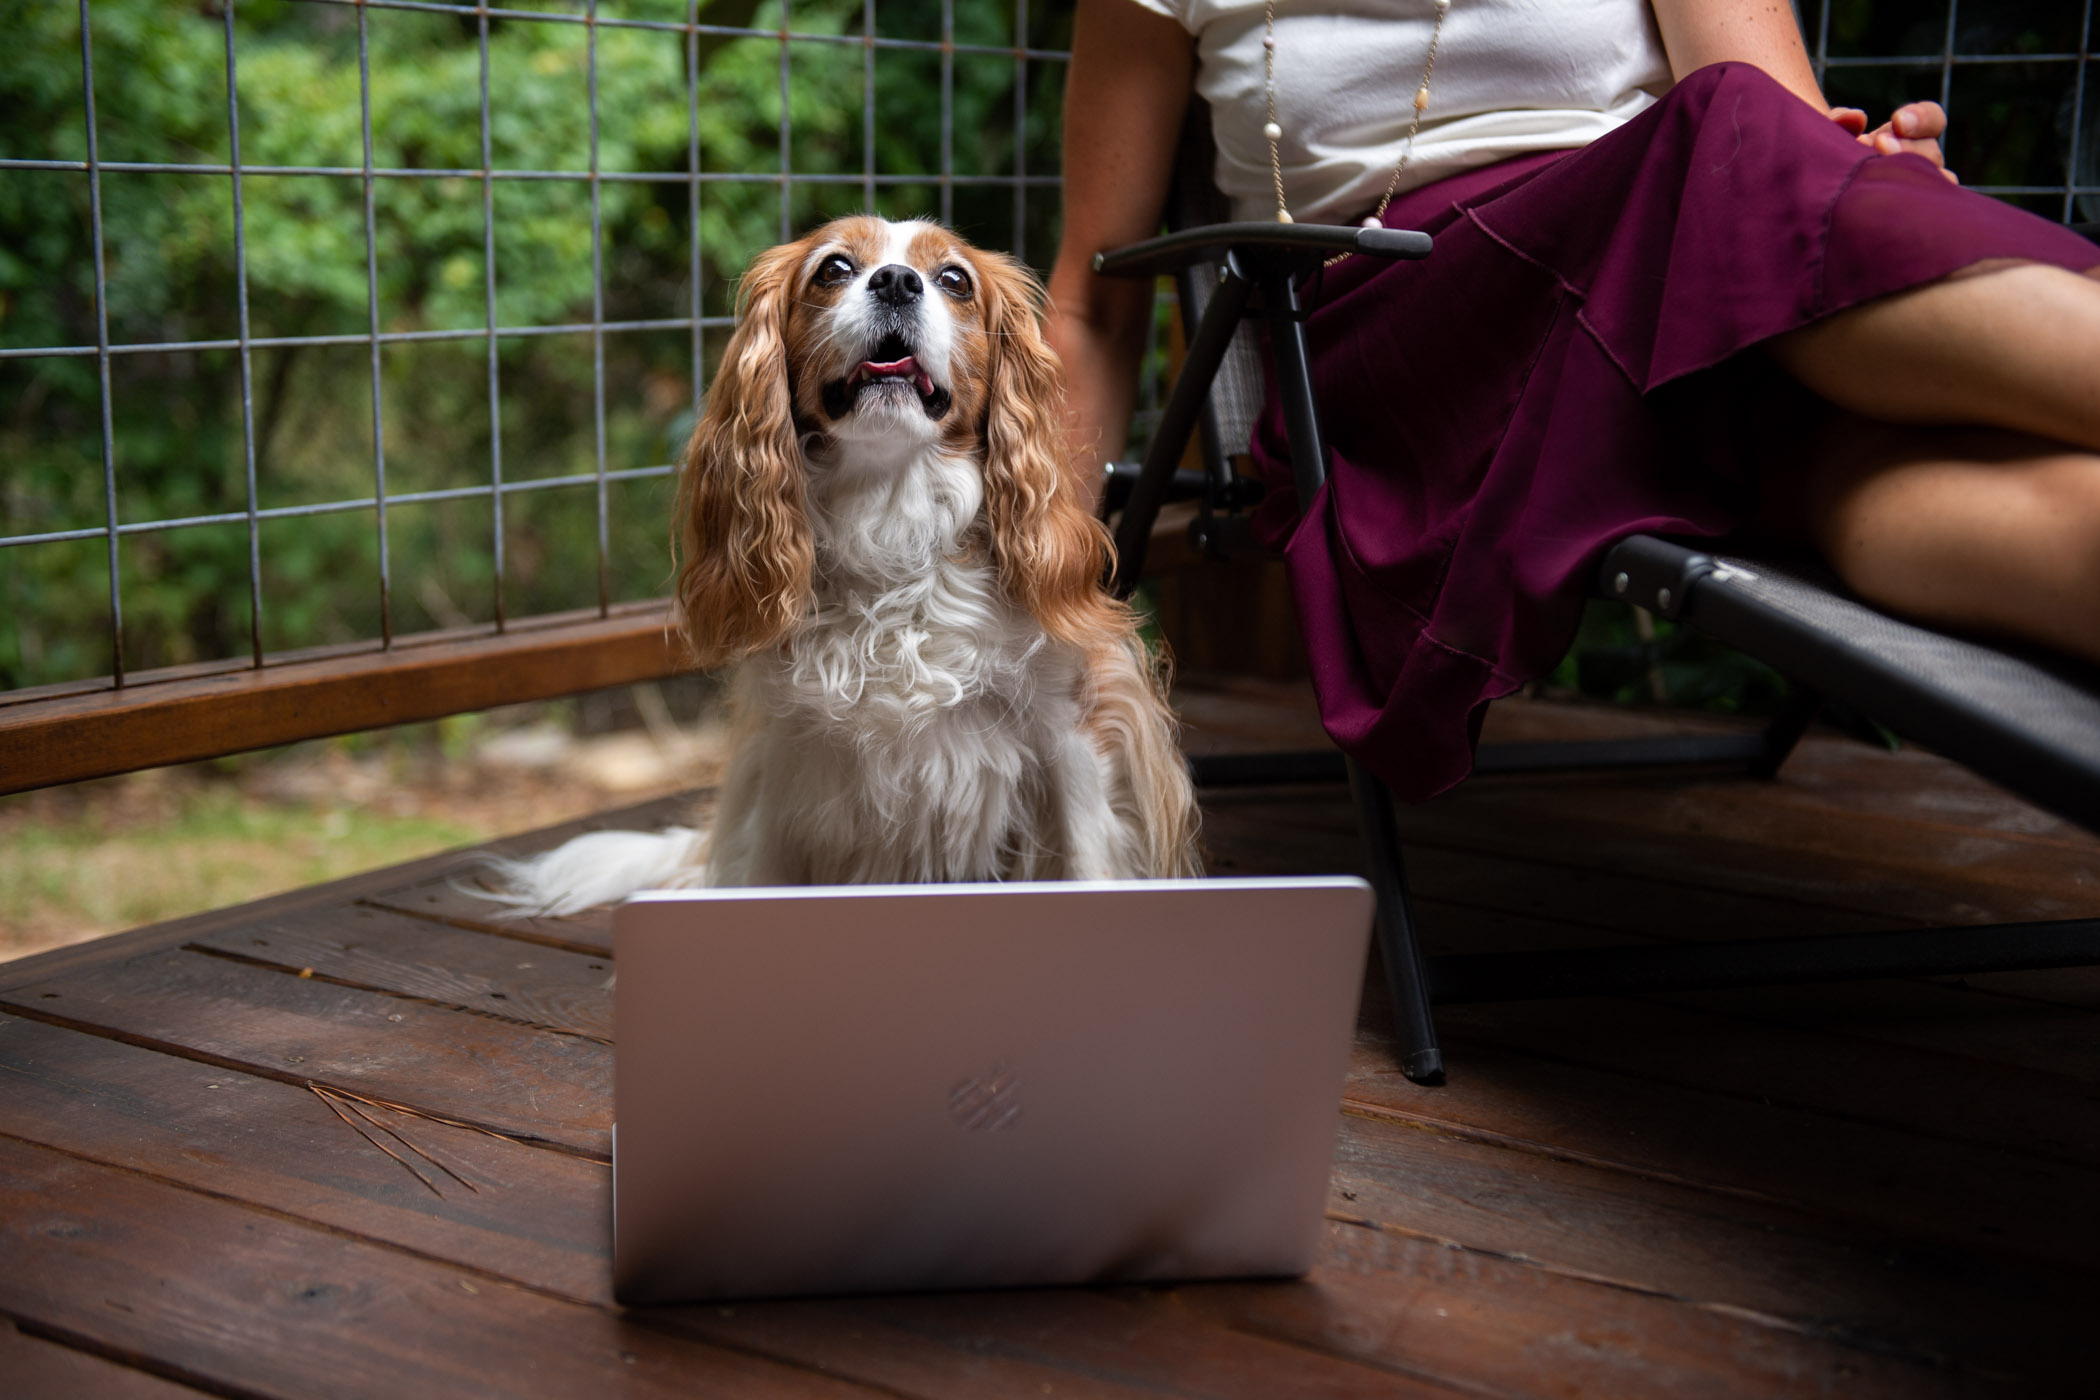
(1567, 369)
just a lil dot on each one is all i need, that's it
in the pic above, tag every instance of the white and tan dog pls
(878, 528)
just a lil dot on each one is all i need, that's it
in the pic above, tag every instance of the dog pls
(878, 529)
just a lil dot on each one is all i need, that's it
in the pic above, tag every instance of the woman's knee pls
(1961, 524)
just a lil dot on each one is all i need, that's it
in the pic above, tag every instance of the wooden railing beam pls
(73, 733)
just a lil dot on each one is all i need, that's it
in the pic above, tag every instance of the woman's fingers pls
(1850, 118)
(1916, 127)
(1920, 121)
(1888, 143)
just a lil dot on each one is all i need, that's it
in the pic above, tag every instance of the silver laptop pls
(860, 1089)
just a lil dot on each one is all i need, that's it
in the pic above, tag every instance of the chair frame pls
(1261, 267)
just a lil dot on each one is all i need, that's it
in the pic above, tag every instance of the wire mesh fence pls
(330, 321)
(2012, 74)
(618, 253)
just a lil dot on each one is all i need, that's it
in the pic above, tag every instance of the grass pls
(100, 857)
(210, 844)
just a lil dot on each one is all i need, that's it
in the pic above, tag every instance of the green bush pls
(169, 241)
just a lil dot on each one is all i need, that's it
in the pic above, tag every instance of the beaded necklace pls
(1274, 132)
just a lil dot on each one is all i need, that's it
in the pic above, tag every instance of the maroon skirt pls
(1566, 370)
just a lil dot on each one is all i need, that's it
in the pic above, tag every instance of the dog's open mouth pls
(891, 370)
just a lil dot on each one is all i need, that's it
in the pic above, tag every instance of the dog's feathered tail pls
(600, 867)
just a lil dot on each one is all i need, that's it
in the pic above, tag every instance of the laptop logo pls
(989, 1103)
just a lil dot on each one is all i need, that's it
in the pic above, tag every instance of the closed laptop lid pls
(875, 1088)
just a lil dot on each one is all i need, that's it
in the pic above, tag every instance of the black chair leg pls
(1406, 974)
(1785, 731)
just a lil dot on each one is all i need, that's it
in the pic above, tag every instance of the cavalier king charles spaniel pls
(878, 527)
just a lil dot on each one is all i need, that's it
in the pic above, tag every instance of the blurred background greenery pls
(94, 857)
(161, 97)
(178, 439)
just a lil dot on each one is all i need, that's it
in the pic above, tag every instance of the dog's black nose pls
(895, 285)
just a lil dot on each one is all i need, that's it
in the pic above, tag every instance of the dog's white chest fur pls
(919, 727)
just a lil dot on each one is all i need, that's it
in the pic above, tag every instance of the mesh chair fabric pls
(1236, 392)
(2028, 721)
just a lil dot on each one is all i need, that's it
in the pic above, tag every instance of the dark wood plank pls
(380, 950)
(1469, 902)
(208, 1287)
(1947, 1307)
(1828, 769)
(1947, 1085)
(448, 899)
(1313, 829)
(1717, 835)
(540, 1218)
(2061, 986)
(1243, 714)
(1860, 1176)
(1934, 1017)
(1230, 615)
(239, 1299)
(533, 1085)
(1905, 836)
(1064, 1342)
(1507, 1327)
(37, 1369)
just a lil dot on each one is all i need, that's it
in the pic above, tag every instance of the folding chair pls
(2029, 723)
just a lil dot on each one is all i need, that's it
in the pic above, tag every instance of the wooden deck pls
(1889, 1188)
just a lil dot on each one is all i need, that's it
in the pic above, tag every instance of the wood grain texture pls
(449, 896)
(1950, 1083)
(1903, 837)
(383, 951)
(1858, 1175)
(1507, 1326)
(529, 1084)
(1869, 1189)
(449, 899)
(1115, 1345)
(536, 1217)
(1950, 1309)
(239, 1299)
(37, 1369)
(1725, 837)
(66, 737)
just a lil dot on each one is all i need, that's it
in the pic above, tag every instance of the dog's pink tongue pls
(906, 368)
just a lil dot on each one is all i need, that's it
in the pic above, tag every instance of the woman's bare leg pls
(1974, 528)
(1962, 483)
(2014, 347)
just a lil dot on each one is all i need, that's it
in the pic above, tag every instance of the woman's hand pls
(1916, 127)
(1698, 32)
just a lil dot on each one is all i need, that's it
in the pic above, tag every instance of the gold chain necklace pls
(1274, 132)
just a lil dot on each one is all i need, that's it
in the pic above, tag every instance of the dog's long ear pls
(742, 523)
(1049, 549)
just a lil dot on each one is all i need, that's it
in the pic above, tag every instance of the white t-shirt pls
(1512, 76)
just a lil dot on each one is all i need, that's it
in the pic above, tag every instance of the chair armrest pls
(2024, 720)
(1192, 245)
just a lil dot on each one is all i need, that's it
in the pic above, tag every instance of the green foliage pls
(1621, 656)
(179, 439)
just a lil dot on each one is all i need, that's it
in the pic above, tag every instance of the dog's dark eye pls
(954, 281)
(834, 270)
